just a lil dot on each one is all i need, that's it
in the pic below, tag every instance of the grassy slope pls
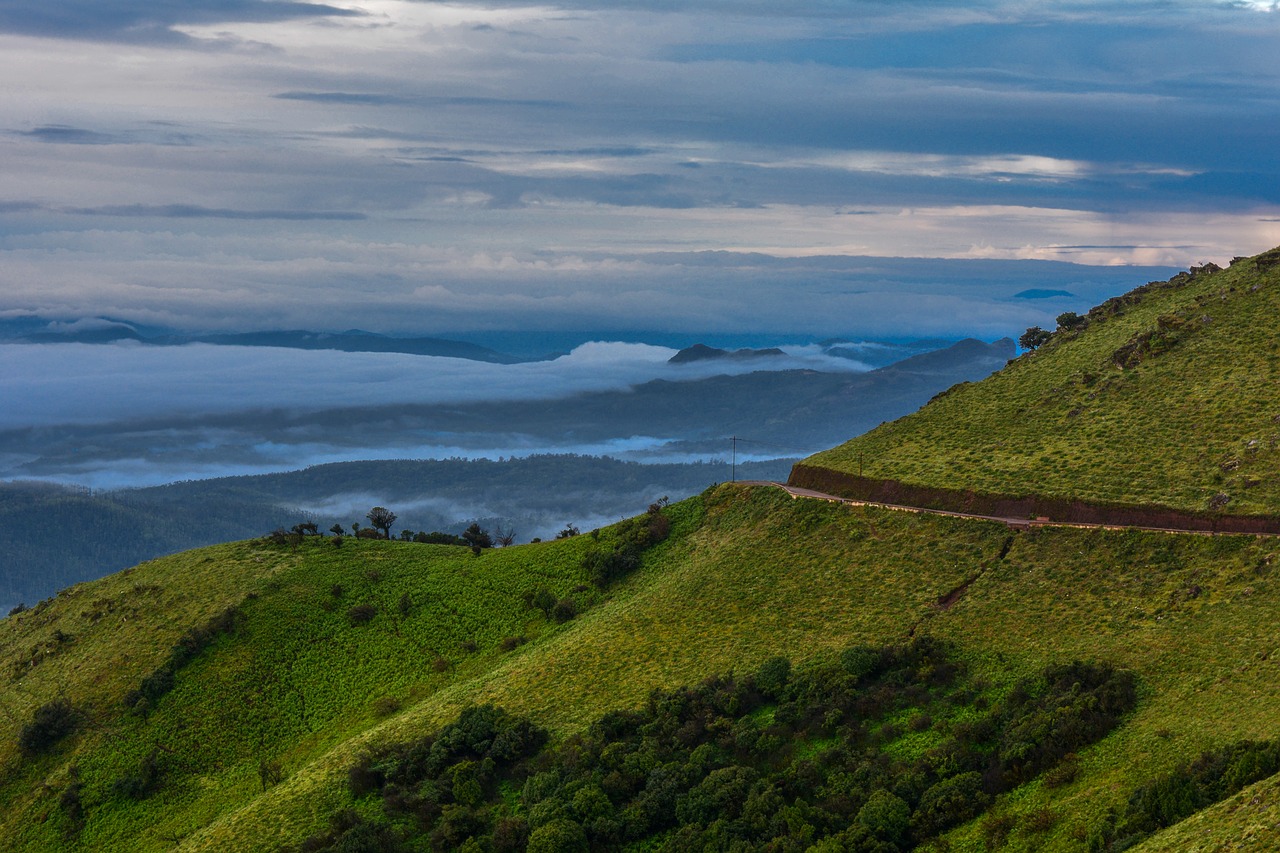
(729, 589)
(1066, 422)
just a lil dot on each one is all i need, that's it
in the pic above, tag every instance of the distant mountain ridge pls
(702, 352)
(354, 340)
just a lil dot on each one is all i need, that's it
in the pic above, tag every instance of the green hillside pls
(264, 696)
(300, 682)
(1163, 396)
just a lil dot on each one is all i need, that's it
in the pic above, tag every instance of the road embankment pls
(1060, 510)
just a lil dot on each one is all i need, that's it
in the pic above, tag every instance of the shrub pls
(362, 614)
(438, 538)
(510, 834)
(1063, 774)
(71, 804)
(1034, 338)
(510, 644)
(772, 677)
(141, 784)
(564, 610)
(541, 599)
(886, 816)
(1211, 778)
(1069, 320)
(949, 803)
(996, 829)
(50, 723)
(558, 836)
(270, 773)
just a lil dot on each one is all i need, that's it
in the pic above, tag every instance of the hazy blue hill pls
(54, 536)
(354, 341)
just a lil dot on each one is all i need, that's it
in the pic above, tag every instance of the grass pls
(1176, 427)
(747, 574)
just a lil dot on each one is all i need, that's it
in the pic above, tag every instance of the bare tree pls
(504, 538)
(382, 519)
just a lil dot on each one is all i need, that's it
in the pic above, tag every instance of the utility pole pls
(733, 469)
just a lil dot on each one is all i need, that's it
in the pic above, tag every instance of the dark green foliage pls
(1034, 338)
(142, 782)
(189, 645)
(477, 537)
(541, 599)
(1070, 320)
(72, 804)
(1083, 702)
(50, 723)
(772, 677)
(558, 836)
(510, 644)
(362, 614)
(438, 538)
(779, 760)
(1209, 779)
(949, 802)
(564, 610)
(618, 556)
(349, 833)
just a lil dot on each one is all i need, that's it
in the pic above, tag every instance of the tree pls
(337, 530)
(382, 519)
(477, 537)
(505, 537)
(1034, 337)
(1071, 320)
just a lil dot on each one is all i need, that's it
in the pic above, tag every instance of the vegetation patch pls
(152, 688)
(1211, 778)
(776, 760)
(50, 723)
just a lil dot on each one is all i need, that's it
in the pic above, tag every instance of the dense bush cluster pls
(50, 723)
(1211, 778)
(610, 560)
(193, 642)
(878, 749)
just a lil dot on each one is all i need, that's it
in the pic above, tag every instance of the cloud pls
(82, 384)
(144, 21)
(191, 211)
(428, 167)
(61, 134)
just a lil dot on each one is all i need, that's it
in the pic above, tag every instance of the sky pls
(421, 167)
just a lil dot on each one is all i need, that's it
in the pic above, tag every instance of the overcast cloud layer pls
(425, 167)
